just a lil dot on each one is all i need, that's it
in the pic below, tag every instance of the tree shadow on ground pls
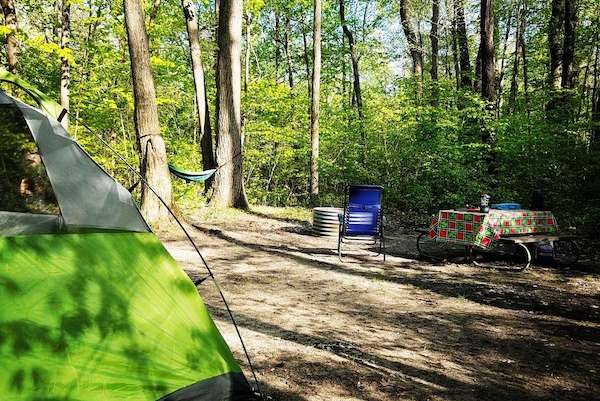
(492, 289)
(494, 378)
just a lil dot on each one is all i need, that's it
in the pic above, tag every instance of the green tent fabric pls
(92, 306)
(45, 103)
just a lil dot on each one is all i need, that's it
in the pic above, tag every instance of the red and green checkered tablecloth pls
(484, 229)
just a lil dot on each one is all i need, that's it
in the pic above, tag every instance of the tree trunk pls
(416, 53)
(488, 63)
(286, 48)
(554, 45)
(477, 82)
(515, 72)
(463, 44)
(228, 184)
(488, 90)
(65, 67)
(306, 61)
(247, 52)
(355, 58)
(153, 155)
(206, 146)
(524, 56)
(435, 18)
(568, 55)
(504, 48)
(595, 116)
(315, 101)
(277, 41)
(12, 44)
(455, 55)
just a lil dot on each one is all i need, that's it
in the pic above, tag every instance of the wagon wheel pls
(566, 252)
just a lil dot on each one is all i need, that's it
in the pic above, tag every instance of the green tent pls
(92, 306)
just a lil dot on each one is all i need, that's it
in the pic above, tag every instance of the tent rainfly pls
(92, 306)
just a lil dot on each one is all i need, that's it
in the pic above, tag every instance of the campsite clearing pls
(320, 329)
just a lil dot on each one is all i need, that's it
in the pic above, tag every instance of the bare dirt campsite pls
(321, 329)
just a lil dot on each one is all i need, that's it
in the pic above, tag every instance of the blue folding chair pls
(362, 220)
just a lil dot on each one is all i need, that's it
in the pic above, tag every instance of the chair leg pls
(340, 247)
(382, 247)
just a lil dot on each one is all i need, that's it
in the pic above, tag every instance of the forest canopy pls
(439, 101)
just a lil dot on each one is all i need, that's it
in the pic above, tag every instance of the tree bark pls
(515, 72)
(463, 44)
(153, 155)
(247, 51)
(206, 146)
(455, 55)
(504, 48)
(554, 45)
(306, 60)
(523, 47)
(435, 18)
(286, 48)
(488, 62)
(315, 101)
(355, 59)
(277, 42)
(12, 44)
(595, 116)
(416, 53)
(65, 67)
(477, 82)
(568, 55)
(228, 185)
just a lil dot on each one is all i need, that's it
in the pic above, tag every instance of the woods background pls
(437, 100)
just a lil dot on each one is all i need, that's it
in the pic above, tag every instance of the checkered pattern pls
(484, 229)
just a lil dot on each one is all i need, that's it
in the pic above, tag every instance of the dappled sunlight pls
(319, 328)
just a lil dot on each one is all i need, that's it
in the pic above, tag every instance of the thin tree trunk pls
(65, 67)
(315, 102)
(415, 51)
(554, 45)
(247, 52)
(206, 146)
(355, 59)
(435, 18)
(477, 82)
(515, 71)
(277, 41)
(568, 55)
(488, 63)
(524, 56)
(286, 48)
(153, 155)
(488, 90)
(12, 44)
(595, 115)
(463, 43)
(455, 55)
(504, 48)
(229, 185)
(306, 61)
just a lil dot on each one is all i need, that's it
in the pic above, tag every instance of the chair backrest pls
(362, 213)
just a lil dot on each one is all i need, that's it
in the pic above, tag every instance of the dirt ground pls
(320, 329)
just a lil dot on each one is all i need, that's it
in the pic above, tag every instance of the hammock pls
(190, 176)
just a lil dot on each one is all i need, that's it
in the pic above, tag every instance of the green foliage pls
(427, 154)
